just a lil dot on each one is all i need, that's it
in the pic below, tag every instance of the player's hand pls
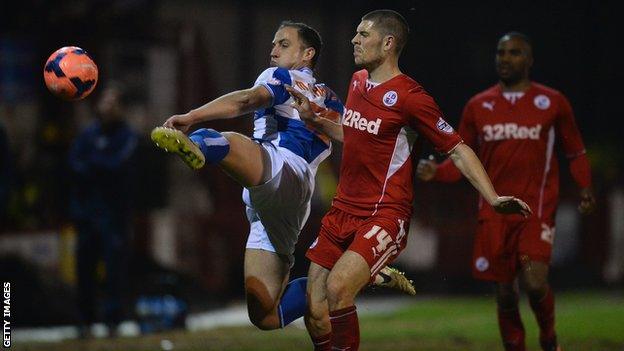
(426, 169)
(181, 122)
(511, 205)
(588, 201)
(302, 104)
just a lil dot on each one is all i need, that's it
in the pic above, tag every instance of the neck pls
(518, 86)
(300, 66)
(385, 71)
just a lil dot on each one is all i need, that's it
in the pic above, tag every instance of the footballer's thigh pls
(535, 278)
(535, 251)
(247, 162)
(266, 276)
(317, 316)
(350, 274)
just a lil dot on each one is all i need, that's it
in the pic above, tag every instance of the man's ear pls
(388, 43)
(308, 54)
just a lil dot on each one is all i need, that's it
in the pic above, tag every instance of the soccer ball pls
(70, 73)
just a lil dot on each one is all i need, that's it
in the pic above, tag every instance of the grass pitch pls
(591, 321)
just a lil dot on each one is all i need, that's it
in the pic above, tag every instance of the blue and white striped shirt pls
(280, 123)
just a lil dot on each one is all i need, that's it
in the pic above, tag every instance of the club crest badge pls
(390, 98)
(482, 264)
(542, 102)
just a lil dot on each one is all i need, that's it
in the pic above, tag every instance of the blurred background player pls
(515, 125)
(276, 167)
(366, 227)
(101, 158)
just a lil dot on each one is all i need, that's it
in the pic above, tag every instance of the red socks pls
(345, 329)
(511, 329)
(323, 342)
(544, 310)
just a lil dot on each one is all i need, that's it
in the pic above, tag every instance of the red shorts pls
(378, 239)
(501, 246)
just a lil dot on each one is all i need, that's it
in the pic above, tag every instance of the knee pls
(536, 287)
(263, 324)
(338, 292)
(263, 320)
(262, 312)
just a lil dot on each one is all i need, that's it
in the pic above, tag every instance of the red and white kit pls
(515, 137)
(371, 211)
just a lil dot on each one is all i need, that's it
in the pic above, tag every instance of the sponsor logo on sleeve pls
(390, 98)
(542, 102)
(444, 126)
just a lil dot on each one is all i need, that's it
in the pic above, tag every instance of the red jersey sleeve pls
(572, 144)
(447, 172)
(581, 171)
(425, 117)
(567, 131)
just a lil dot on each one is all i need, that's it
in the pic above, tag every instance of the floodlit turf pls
(585, 322)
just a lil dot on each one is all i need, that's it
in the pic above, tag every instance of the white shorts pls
(278, 209)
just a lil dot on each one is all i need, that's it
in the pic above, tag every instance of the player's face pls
(513, 59)
(108, 105)
(288, 51)
(367, 45)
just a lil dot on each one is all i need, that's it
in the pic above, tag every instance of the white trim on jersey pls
(322, 156)
(549, 152)
(402, 150)
(513, 96)
(370, 84)
(262, 125)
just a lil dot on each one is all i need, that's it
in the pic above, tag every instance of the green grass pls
(585, 322)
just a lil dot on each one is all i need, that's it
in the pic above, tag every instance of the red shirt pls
(516, 143)
(380, 126)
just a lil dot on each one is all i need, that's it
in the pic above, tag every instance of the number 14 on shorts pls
(383, 239)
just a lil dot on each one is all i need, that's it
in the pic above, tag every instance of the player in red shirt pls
(514, 126)
(366, 228)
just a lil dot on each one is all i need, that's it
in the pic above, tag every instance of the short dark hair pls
(518, 35)
(308, 35)
(390, 22)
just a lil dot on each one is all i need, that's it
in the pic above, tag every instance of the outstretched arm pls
(307, 114)
(468, 163)
(570, 137)
(229, 105)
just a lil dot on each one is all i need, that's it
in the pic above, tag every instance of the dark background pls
(176, 55)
